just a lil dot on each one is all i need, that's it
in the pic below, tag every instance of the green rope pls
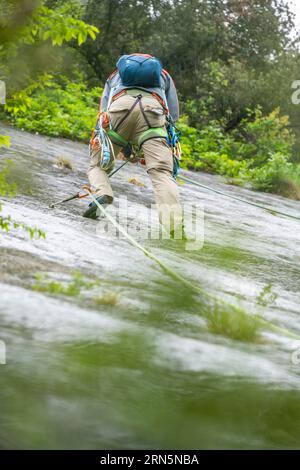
(236, 198)
(181, 279)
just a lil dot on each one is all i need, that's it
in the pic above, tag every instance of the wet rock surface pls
(144, 372)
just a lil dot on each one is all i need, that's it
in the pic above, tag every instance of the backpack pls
(141, 70)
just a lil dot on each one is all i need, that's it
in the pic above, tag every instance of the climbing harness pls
(150, 133)
(104, 136)
(140, 75)
(236, 198)
(116, 138)
(169, 132)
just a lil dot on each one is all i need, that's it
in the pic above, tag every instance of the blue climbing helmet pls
(141, 70)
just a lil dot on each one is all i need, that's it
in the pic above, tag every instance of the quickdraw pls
(173, 141)
(100, 142)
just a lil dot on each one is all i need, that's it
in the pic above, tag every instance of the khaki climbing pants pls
(157, 154)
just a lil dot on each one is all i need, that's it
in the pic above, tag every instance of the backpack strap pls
(161, 102)
(115, 97)
(138, 100)
(144, 114)
(113, 74)
(150, 133)
(148, 56)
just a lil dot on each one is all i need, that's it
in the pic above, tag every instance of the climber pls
(138, 106)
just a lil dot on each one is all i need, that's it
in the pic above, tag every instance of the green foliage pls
(267, 296)
(241, 54)
(251, 32)
(268, 176)
(4, 141)
(14, 16)
(56, 107)
(266, 144)
(57, 26)
(258, 151)
(41, 23)
(75, 287)
(70, 289)
(7, 224)
(21, 36)
(107, 298)
(260, 137)
(206, 150)
(235, 324)
(9, 189)
(31, 40)
(6, 189)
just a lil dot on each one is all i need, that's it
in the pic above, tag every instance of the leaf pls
(4, 141)
(92, 35)
(46, 35)
(80, 39)
(82, 35)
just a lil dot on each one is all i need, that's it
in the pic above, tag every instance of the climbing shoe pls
(91, 212)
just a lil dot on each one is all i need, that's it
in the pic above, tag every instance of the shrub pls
(56, 107)
(205, 150)
(259, 137)
(258, 152)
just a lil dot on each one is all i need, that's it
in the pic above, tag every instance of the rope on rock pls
(236, 198)
(178, 277)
